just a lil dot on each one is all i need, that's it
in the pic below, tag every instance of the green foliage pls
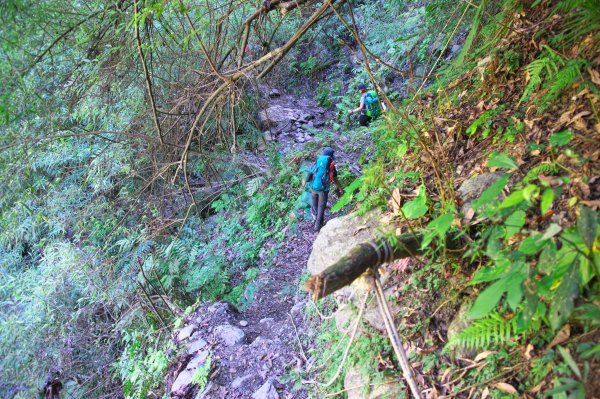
(546, 65)
(543, 168)
(552, 72)
(418, 206)
(327, 94)
(309, 66)
(141, 367)
(566, 267)
(582, 18)
(493, 330)
(200, 377)
(484, 121)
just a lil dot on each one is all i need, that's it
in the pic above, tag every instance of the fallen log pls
(366, 256)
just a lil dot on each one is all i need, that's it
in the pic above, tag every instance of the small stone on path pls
(186, 332)
(196, 345)
(239, 381)
(243, 323)
(267, 391)
(229, 334)
(183, 381)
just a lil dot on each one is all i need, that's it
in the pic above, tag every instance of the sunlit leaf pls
(569, 360)
(546, 202)
(513, 223)
(488, 299)
(492, 192)
(532, 244)
(417, 207)
(561, 138)
(499, 160)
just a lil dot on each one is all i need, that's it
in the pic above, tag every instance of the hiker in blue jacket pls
(369, 107)
(319, 179)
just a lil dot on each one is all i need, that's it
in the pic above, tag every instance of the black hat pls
(362, 87)
(328, 151)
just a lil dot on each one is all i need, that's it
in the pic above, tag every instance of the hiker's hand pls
(340, 192)
(350, 111)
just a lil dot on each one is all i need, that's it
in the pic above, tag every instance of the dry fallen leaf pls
(579, 115)
(561, 336)
(504, 387)
(594, 204)
(485, 393)
(433, 394)
(537, 388)
(595, 76)
(527, 352)
(468, 215)
(483, 355)
(396, 200)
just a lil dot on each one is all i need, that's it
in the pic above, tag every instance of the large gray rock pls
(345, 318)
(229, 335)
(183, 383)
(388, 390)
(459, 323)
(339, 236)
(374, 318)
(358, 386)
(266, 391)
(276, 115)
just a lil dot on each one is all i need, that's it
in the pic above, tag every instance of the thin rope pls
(394, 338)
(355, 328)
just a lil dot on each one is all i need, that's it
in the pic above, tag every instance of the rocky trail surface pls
(248, 353)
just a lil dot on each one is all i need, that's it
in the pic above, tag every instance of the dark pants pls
(364, 120)
(319, 202)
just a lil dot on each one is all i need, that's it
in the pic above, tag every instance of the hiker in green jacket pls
(369, 106)
(319, 179)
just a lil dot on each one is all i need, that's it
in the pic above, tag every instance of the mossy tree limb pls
(366, 256)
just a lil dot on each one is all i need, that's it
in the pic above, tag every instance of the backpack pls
(373, 108)
(322, 173)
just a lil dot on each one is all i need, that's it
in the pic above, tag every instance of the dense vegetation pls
(135, 182)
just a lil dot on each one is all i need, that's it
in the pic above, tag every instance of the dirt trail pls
(251, 351)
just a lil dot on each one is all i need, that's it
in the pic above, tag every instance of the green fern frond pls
(254, 185)
(545, 168)
(564, 78)
(543, 66)
(567, 5)
(481, 333)
(583, 18)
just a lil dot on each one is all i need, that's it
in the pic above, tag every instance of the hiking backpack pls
(373, 108)
(322, 173)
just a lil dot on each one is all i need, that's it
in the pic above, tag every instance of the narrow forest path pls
(251, 351)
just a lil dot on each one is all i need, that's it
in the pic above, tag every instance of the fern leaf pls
(564, 78)
(484, 332)
(545, 168)
(254, 185)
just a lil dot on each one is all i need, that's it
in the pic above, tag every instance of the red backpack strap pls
(331, 169)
